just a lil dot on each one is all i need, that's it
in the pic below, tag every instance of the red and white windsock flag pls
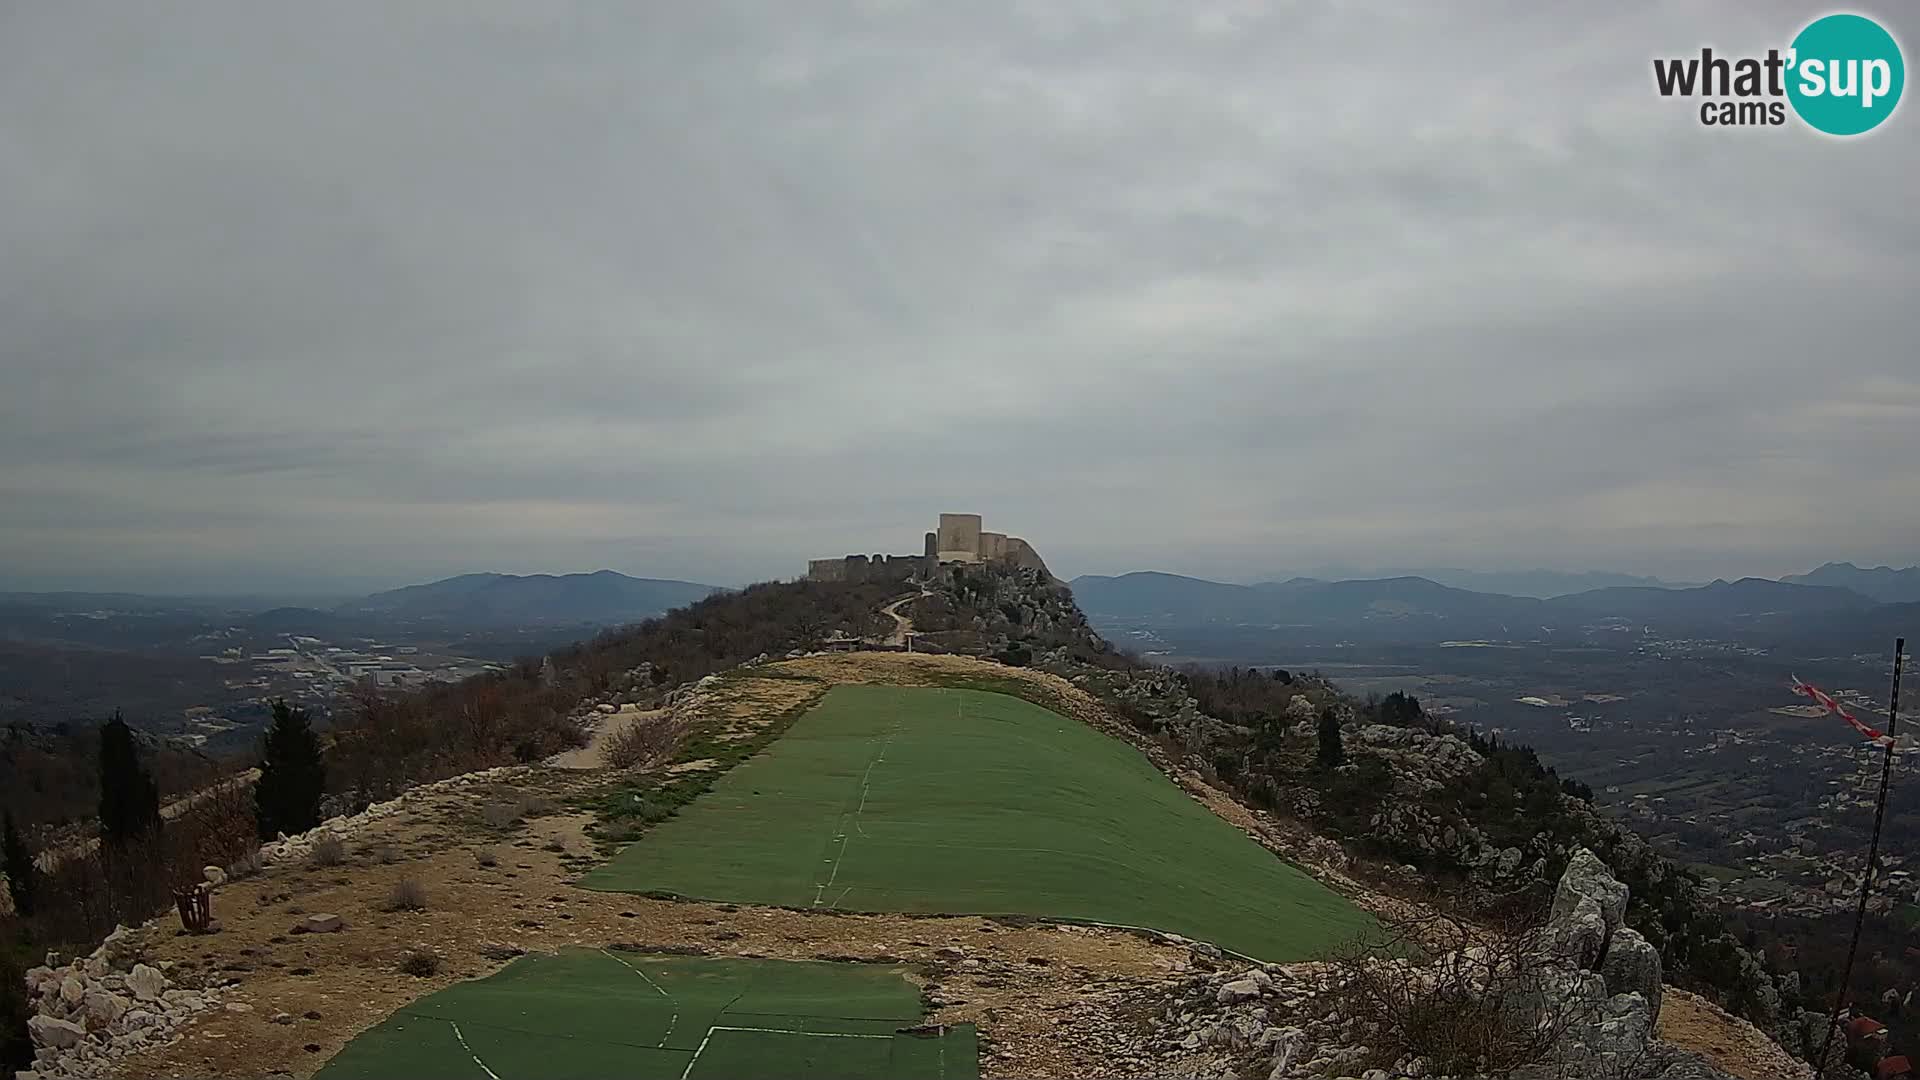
(1820, 698)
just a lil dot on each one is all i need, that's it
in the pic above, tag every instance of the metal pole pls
(1873, 855)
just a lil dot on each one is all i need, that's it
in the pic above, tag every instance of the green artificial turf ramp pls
(961, 801)
(586, 1013)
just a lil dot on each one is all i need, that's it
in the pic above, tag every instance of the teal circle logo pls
(1846, 74)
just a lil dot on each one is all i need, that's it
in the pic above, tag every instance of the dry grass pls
(329, 850)
(644, 743)
(420, 963)
(407, 895)
(249, 864)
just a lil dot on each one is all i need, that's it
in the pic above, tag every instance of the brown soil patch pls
(745, 704)
(1732, 1045)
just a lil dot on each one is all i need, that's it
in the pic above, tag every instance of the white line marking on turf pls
(866, 786)
(688, 1071)
(675, 1019)
(808, 1034)
(469, 1050)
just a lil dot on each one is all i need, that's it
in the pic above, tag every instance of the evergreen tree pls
(18, 862)
(293, 775)
(129, 799)
(1332, 753)
(16, 1039)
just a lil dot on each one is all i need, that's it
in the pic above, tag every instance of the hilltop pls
(1416, 815)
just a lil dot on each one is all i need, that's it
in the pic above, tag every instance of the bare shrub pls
(420, 963)
(644, 743)
(329, 850)
(533, 806)
(1465, 998)
(499, 815)
(248, 864)
(486, 857)
(407, 895)
(386, 854)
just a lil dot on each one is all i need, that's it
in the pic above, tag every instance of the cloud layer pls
(357, 294)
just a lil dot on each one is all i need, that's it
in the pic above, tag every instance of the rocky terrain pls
(311, 943)
(1584, 977)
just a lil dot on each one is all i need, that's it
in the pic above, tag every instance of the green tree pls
(129, 799)
(16, 1039)
(293, 775)
(18, 862)
(1332, 753)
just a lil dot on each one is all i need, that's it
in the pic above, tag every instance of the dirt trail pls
(593, 755)
(902, 625)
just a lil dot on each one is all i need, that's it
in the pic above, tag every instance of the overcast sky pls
(348, 295)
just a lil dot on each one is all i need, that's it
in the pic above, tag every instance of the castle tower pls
(959, 538)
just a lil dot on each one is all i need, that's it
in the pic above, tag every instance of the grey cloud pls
(373, 294)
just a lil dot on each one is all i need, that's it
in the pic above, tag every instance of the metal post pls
(1873, 856)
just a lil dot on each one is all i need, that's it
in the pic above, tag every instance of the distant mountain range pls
(1540, 584)
(1883, 583)
(603, 597)
(1415, 608)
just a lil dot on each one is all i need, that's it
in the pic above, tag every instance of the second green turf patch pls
(960, 801)
(592, 1013)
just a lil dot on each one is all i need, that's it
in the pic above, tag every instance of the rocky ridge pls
(1587, 977)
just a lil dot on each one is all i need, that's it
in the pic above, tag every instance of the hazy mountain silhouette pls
(600, 597)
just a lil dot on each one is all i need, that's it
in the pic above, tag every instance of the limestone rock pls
(123, 948)
(1237, 991)
(1587, 877)
(104, 1007)
(1580, 935)
(322, 924)
(146, 982)
(58, 1034)
(73, 990)
(1632, 966)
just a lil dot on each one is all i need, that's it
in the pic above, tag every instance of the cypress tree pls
(293, 775)
(1332, 753)
(18, 862)
(129, 799)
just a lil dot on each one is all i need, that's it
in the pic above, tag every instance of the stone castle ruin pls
(959, 539)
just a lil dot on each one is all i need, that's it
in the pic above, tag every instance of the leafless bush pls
(329, 850)
(645, 742)
(499, 815)
(386, 854)
(407, 895)
(1467, 999)
(246, 865)
(420, 963)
